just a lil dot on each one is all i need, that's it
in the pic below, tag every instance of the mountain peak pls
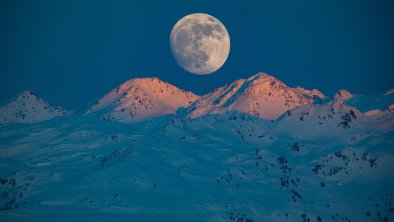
(343, 95)
(260, 95)
(26, 95)
(263, 77)
(27, 107)
(140, 99)
(260, 75)
(141, 82)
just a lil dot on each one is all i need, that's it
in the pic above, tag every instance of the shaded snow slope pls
(329, 121)
(222, 167)
(29, 108)
(260, 95)
(141, 99)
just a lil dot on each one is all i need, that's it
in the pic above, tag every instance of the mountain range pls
(143, 99)
(253, 150)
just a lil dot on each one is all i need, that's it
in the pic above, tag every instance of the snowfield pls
(208, 158)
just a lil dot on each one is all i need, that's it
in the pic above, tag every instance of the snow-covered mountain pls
(141, 99)
(29, 108)
(260, 95)
(343, 95)
(321, 160)
(329, 120)
(219, 167)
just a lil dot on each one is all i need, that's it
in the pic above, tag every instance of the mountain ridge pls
(260, 95)
(324, 161)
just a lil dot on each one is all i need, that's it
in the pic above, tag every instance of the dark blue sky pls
(72, 52)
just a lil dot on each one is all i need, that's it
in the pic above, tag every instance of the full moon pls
(200, 43)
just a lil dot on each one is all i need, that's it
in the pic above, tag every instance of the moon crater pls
(200, 43)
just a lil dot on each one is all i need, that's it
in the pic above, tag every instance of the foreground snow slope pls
(226, 167)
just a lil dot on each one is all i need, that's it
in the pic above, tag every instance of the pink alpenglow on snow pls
(343, 95)
(141, 99)
(259, 95)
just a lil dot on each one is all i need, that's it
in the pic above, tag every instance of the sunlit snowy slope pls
(260, 95)
(321, 160)
(141, 99)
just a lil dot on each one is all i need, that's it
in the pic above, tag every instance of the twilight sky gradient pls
(72, 52)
